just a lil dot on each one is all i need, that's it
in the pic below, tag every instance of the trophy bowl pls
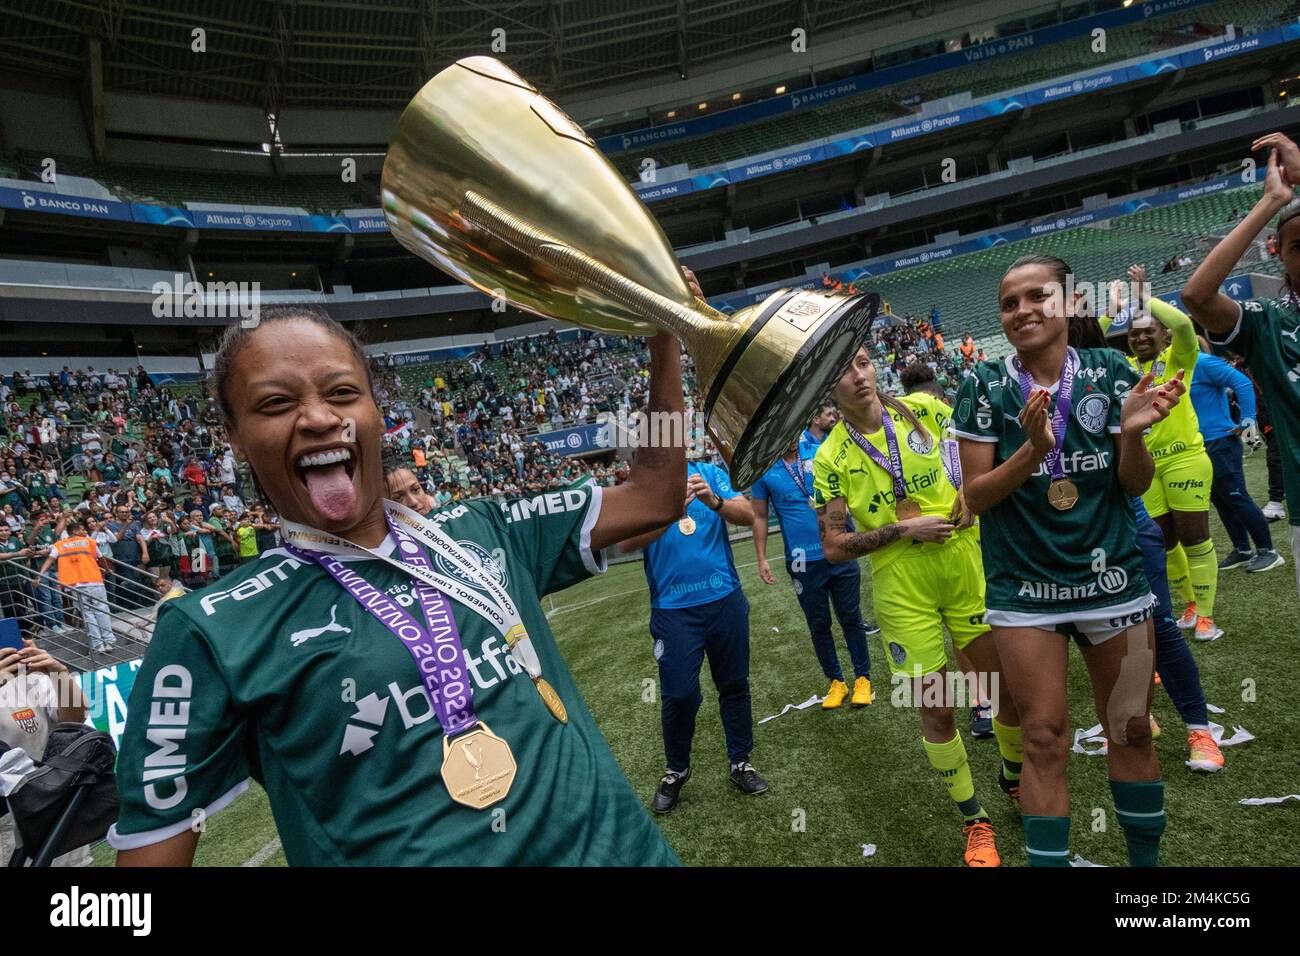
(491, 182)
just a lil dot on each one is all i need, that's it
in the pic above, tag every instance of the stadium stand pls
(980, 79)
(172, 186)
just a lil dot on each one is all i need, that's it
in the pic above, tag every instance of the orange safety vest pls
(78, 561)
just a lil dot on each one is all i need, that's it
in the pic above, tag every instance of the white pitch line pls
(264, 854)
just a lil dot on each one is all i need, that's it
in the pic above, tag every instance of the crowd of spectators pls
(149, 473)
(487, 408)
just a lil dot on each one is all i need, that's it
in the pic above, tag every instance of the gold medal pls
(907, 508)
(1062, 494)
(551, 699)
(477, 767)
(686, 525)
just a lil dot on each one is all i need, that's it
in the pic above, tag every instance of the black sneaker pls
(1235, 559)
(871, 627)
(746, 777)
(981, 721)
(669, 787)
(1265, 561)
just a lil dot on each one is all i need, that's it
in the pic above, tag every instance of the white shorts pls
(1093, 626)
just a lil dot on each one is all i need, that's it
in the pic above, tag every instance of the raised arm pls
(1186, 347)
(1215, 311)
(651, 498)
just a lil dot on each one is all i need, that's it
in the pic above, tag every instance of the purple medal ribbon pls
(796, 475)
(951, 455)
(437, 651)
(894, 463)
(1064, 394)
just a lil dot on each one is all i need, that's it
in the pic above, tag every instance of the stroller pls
(66, 799)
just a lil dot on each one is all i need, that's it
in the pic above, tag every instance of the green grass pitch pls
(844, 778)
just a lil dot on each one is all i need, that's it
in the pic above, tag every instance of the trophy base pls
(795, 348)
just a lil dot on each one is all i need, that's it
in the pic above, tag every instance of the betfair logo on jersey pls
(917, 482)
(252, 586)
(493, 664)
(551, 503)
(1078, 461)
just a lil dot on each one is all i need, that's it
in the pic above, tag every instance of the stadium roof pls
(358, 53)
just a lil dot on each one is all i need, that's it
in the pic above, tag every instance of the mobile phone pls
(9, 635)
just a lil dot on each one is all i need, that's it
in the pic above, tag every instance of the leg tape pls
(1128, 698)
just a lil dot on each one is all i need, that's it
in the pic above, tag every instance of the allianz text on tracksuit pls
(815, 579)
(697, 609)
(1242, 518)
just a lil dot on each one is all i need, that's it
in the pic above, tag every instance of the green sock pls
(1047, 840)
(1140, 806)
(1011, 749)
(950, 761)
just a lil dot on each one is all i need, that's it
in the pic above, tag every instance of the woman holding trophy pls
(389, 679)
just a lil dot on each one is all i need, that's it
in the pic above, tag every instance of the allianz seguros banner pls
(36, 200)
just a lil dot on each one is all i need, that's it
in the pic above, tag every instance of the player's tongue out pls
(331, 490)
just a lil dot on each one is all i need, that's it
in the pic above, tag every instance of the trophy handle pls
(687, 323)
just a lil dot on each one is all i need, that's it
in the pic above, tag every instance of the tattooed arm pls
(839, 544)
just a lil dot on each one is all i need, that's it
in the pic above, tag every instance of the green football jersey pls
(1039, 560)
(278, 674)
(9, 569)
(1265, 336)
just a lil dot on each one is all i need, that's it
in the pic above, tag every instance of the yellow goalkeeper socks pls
(950, 761)
(1203, 565)
(1179, 576)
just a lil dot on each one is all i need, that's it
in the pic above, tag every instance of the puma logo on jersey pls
(1292, 334)
(301, 637)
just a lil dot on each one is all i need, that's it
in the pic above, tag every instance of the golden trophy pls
(491, 182)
